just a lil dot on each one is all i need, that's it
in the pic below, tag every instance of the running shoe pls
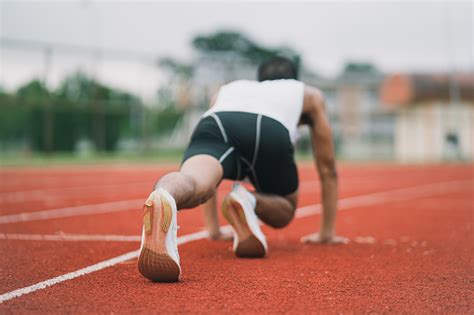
(239, 210)
(159, 257)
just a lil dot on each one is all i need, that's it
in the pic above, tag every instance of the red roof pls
(404, 89)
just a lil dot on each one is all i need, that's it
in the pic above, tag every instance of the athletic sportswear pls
(281, 100)
(248, 145)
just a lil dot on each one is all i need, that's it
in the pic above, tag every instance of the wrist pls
(326, 234)
(214, 234)
(213, 229)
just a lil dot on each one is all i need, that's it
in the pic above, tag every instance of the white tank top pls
(281, 100)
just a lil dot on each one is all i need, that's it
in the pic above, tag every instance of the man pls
(249, 132)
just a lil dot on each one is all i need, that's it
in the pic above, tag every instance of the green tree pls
(13, 120)
(33, 92)
(81, 89)
(102, 111)
(360, 68)
(80, 108)
(241, 45)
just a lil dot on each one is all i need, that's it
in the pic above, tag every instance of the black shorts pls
(248, 145)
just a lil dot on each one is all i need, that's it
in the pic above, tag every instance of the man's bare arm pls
(211, 221)
(314, 114)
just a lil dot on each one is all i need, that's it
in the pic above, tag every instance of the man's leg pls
(194, 183)
(274, 210)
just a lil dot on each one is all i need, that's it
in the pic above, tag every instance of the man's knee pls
(202, 190)
(292, 201)
(178, 179)
(285, 221)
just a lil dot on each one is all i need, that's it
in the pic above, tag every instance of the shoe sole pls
(248, 245)
(154, 263)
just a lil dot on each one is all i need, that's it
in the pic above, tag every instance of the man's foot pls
(239, 210)
(159, 257)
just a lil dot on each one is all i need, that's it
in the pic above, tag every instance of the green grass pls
(164, 156)
(58, 159)
(36, 159)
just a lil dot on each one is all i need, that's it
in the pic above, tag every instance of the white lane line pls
(68, 276)
(344, 204)
(90, 209)
(57, 194)
(13, 180)
(114, 206)
(96, 267)
(100, 208)
(70, 237)
(96, 237)
(53, 194)
(390, 196)
(106, 207)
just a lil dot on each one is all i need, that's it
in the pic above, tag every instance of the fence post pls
(48, 119)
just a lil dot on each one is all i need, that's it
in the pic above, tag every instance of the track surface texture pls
(410, 229)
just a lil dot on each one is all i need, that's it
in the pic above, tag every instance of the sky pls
(395, 36)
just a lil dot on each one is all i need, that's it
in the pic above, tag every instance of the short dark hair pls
(277, 68)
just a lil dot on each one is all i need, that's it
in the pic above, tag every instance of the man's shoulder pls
(314, 94)
(313, 100)
(312, 90)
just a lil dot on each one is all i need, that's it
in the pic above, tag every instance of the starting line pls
(344, 204)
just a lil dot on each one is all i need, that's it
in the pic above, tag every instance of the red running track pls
(411, 247)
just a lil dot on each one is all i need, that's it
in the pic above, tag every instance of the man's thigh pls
(207, 140)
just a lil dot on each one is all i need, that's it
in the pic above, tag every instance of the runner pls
(248, 133)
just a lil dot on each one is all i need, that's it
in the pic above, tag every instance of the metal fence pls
(139, 121)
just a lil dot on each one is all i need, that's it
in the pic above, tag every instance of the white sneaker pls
(159, 257)
(239, 209)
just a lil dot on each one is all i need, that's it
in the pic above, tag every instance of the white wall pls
(421, 129)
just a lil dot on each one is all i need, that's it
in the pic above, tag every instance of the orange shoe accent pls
(167, 213)
(147, 218)
(154, 262)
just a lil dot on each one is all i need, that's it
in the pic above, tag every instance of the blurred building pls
(362, 128)
(405, 117)
(434, 116)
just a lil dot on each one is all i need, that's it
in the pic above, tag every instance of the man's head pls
(277, 68)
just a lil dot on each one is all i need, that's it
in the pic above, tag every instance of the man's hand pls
(221, 235)
(316, 238)
(211, 220)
